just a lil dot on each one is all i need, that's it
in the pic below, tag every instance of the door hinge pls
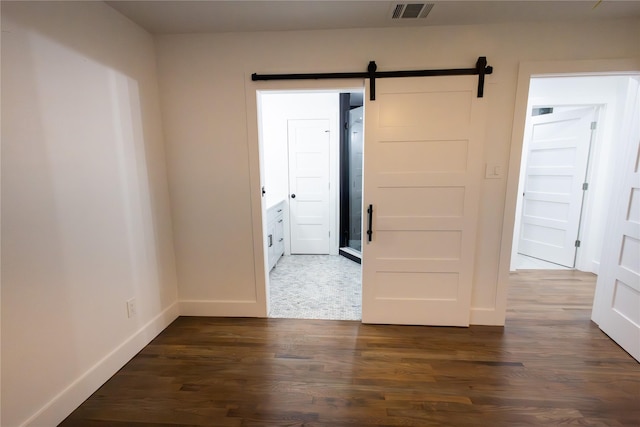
(594, 125)
(585, 186)
(263, 191)
(329, 233)
(577, 244)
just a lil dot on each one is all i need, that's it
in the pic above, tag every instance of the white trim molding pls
(58, 408)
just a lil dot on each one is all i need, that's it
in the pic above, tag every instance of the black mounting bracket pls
(481, 69)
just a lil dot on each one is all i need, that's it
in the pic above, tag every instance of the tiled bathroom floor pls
(315, 287)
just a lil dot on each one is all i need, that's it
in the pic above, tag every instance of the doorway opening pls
(301, 138)
(607, 234)
(566, 170)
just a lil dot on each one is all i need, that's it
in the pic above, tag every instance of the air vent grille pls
(412, 10)
(397, 11)
(401, 11)
(426, 10)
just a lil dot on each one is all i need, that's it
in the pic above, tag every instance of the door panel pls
(398, 115)
(444, 286)
(429, 155)
(556, 168)
(423, 154)
(309, 182)
(617, 302)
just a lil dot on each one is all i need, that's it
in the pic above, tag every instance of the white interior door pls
(309, 192)
(617, 301)
(558, 154)
(423, 154)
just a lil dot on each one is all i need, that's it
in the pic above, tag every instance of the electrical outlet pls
(131, 308)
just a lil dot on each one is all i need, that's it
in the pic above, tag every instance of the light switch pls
(492, 171)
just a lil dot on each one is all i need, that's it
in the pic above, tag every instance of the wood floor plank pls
(550, 365)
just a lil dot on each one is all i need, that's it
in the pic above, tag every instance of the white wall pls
(209, 121)
(276, 109)
(85, 205)
(609, 93)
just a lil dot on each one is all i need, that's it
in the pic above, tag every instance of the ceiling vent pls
(400, 11)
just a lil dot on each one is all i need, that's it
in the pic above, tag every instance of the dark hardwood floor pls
(550, 365)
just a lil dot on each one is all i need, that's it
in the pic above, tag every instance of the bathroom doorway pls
(302, 133)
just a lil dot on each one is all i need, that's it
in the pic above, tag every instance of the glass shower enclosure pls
(356, 133)
(351, 164)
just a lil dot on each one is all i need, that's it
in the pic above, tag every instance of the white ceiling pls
(171, 17)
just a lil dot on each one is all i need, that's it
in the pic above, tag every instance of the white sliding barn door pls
(423, 155)
(617, 302)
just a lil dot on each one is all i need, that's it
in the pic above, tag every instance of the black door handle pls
(370, 216)
(293, 196)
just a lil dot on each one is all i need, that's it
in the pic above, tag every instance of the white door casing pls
(558, 155)
(616, 306)
(309, 191)
(423, 155)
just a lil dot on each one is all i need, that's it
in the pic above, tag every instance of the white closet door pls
(309, 198)
(558, 154)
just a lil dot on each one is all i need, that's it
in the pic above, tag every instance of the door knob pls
(293, 196)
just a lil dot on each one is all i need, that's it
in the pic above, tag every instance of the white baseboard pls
(58, 408)
(486, 317)
(222, 308)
